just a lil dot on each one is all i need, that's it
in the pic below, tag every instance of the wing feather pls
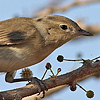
(16, 30)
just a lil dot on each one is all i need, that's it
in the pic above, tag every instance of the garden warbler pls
(27, 41)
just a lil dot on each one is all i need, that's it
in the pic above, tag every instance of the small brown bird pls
(27, 41)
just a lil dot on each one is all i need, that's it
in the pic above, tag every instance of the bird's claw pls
(40, 83)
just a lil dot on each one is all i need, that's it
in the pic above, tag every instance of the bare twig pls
(48, 93)
(65, 7)
(93, 28)
(88, 69)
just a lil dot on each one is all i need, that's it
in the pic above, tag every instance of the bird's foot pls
(40, 83)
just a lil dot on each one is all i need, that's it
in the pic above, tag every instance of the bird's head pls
(58, 29)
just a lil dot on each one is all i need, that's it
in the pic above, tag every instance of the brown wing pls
(16, 30)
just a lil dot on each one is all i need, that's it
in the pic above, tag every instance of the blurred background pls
(86, 13)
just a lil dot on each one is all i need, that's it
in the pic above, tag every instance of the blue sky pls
(88, 46)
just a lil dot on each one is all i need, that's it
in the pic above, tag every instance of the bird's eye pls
(64, 27)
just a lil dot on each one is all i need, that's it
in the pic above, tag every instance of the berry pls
(90, 94)
(60, 58)
(59, 69)
(48, 66)
(73, 88)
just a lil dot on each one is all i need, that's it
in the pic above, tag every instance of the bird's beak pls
(85, 33)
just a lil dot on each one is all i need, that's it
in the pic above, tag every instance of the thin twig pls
(65, 7)
(73, 60)
(96, 58)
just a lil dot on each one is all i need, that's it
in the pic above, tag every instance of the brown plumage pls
(26, 41)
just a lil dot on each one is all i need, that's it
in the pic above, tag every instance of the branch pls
(65, 7)
(88, 68)
(48, 93)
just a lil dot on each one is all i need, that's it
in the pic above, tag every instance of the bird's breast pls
(14, 58)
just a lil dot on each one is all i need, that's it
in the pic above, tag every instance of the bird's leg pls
(32, 80)
(10, 76)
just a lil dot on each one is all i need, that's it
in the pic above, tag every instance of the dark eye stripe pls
(64, 27)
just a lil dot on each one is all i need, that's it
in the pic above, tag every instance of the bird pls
(27, 41)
